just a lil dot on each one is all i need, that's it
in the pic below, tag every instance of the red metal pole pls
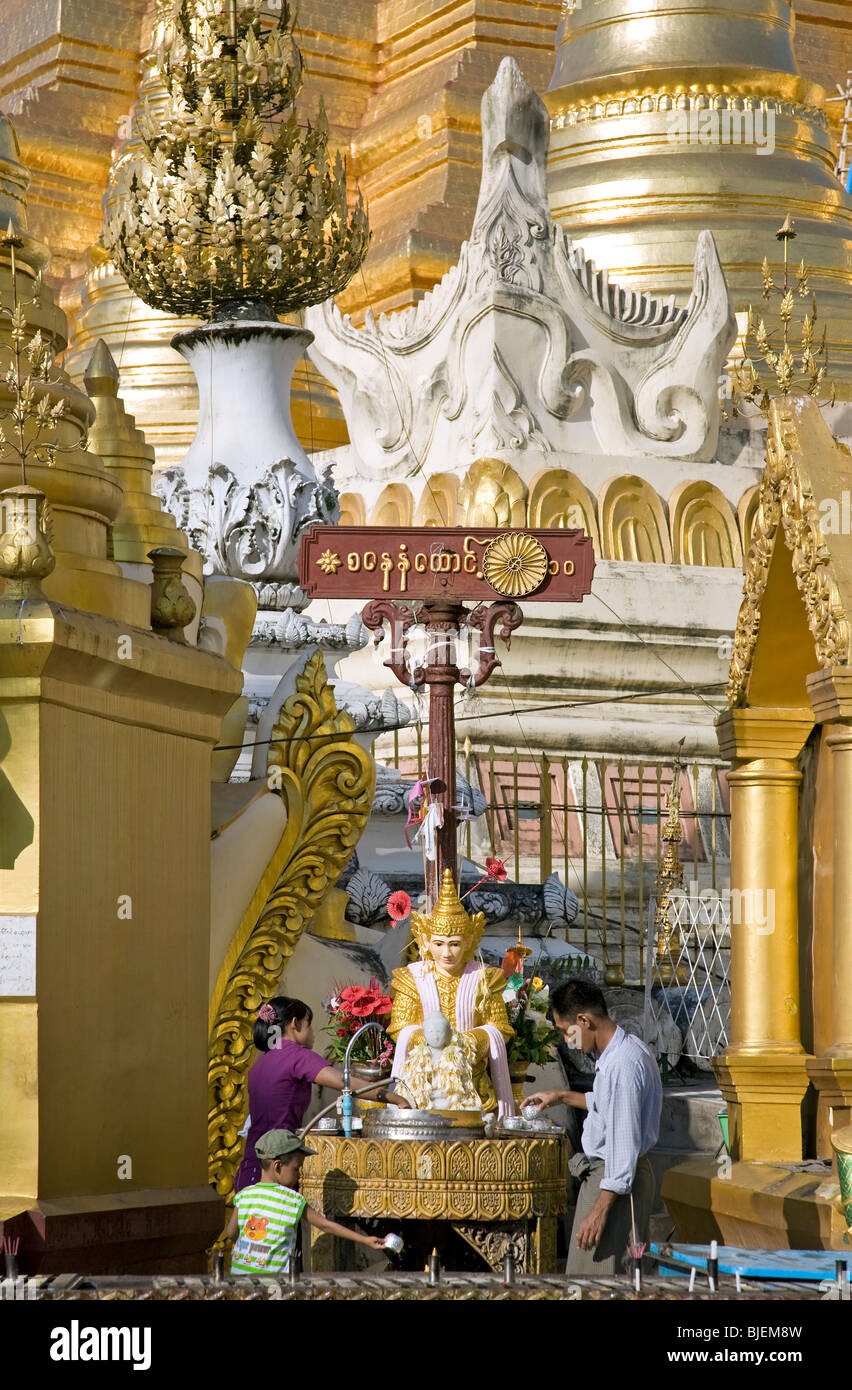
(442, 619)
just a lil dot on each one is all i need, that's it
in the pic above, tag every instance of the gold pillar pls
(831, 1073)
(106, 732)
(763, 1071)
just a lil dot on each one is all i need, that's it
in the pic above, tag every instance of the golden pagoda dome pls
(677, 115)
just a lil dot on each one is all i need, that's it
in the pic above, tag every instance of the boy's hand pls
(375, 1242)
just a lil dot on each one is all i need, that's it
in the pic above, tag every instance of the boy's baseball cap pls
(278, 1143)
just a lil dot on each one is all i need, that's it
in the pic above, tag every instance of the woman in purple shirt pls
(279, 1083)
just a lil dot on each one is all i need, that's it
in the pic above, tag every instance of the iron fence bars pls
(598, 821)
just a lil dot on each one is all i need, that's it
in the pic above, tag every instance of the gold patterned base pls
(479, 1180)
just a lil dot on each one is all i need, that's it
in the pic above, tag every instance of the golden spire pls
(669, 944)
(448, 918)
(141, 523)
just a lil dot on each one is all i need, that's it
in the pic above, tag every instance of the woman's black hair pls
(267, 1035)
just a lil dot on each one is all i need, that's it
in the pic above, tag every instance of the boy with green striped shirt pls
(266, 1216)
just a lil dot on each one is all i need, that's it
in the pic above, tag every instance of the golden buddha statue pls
(449, 981)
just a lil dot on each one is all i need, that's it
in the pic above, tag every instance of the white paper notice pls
(17, 957)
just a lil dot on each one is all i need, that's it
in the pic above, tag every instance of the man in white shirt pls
(622, 1124)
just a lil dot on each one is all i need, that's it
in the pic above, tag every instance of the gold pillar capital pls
(749, 735)
(830, 693)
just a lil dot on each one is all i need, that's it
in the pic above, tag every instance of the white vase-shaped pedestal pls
(246, 488)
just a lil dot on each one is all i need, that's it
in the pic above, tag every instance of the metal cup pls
(393, 1242)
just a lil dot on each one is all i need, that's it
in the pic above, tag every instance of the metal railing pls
(597, 822)
(688, 981)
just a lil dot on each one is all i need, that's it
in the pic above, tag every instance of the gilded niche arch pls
(559, 499)
(633, 522)
(703, 527)
(352, 509)
(438, 501)
(395, 506)
(492, 494)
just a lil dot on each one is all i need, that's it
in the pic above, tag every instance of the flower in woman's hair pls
(398, 906)
(267, 1014)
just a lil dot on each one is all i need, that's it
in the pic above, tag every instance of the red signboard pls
(419, 562)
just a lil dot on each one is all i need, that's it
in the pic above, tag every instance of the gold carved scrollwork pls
(327, 782)
(786, 498)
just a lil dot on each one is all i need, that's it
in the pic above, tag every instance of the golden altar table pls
(500, 1195)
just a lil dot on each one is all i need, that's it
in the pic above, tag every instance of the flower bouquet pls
(527, 999)
(349, 1008)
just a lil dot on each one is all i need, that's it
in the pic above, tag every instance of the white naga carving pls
(525, 345)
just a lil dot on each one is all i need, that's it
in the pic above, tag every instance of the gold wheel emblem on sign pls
(515, 565)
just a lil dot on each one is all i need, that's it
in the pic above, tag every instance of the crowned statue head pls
(447, 936)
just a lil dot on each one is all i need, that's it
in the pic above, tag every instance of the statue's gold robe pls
(408, 1009)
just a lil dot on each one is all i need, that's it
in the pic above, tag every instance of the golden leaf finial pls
(216, 200)
(777, 353)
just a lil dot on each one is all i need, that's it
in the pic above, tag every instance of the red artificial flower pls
(362, 1010)
(353, 994)
(496, 869)
(341, 1032)
(398, 907)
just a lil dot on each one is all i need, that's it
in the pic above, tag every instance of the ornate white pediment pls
(524, 344)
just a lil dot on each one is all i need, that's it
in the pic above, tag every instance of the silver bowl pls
(392, 1122)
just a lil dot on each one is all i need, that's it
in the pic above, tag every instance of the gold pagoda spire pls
(49, 419)
(669, 943)
(141, 523)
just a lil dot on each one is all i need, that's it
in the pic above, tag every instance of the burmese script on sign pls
(421, 562)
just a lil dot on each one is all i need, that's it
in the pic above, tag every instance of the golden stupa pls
(683, 114)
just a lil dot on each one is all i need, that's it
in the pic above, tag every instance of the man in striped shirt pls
(622, 1124)
(265, 1221)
